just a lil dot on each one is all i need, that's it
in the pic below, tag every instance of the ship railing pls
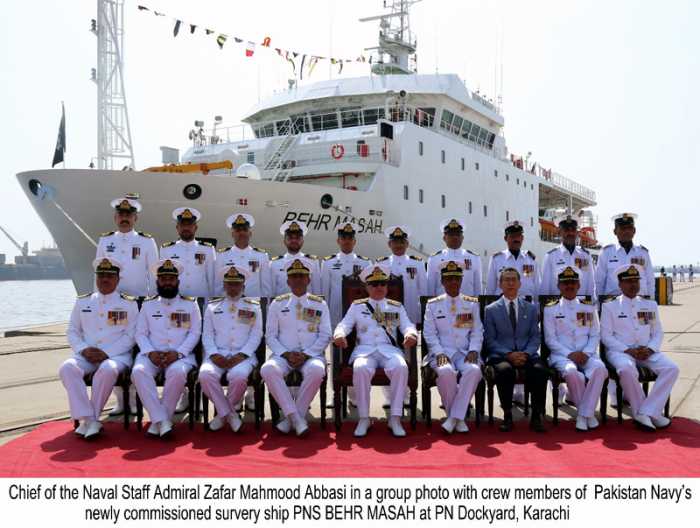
(568, 185)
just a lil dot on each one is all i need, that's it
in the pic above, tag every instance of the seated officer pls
(167, 331)
(101, 334)
(376, 319)
(231, 335)
(513, 341)
(298, 332)
(631, 331)
(572, 333)
(453, 332)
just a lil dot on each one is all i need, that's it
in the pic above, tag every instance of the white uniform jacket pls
(298, 324)
(232, 326)
(452, 326)
(136, 252)
(198, 260)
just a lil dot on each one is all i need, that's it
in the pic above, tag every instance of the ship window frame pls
(443, 201)
(454, 124)
(318, 119)
(294, 121)
(486, 211)
(250, 157)
(371, 116)
(464, 132)
(464, 164)
(405, 192)
(420, 148)
(357, 110)
(444, 124)
(443, 156)
(420, 196)
(279, 126)
(470, 208)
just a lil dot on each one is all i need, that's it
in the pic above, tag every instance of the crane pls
(24, 249)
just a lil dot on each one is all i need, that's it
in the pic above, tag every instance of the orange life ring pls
(337, 151)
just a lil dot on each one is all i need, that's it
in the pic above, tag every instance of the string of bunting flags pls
(306, 61)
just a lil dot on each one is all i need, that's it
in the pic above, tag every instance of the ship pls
(392, 147)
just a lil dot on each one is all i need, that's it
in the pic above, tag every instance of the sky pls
(605, 93)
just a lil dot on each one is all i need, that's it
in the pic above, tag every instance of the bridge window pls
(424, 117)
(351, 117)
(282, 127)
(324, 120)
(300, 124)
(372, 115)
(456, 124)
(447, 117)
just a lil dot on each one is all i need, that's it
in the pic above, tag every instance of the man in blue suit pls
(513, 340)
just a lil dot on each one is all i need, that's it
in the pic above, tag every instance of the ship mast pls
(113, 130)
(396, 42)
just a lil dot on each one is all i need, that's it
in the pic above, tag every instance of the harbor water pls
(29, 303)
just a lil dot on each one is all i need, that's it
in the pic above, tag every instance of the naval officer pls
(568, 254)
(298, 332)
(572, 333)
(514, 256)
(231, 336)
(168, 329)
(453, 236)
(101, 334)
(137, 252)
(293, 233)
(630, 329)
(376, 319)
(454, 334)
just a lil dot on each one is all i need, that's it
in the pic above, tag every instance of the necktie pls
(511, 314)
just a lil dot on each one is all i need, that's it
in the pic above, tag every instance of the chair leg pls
(425, 403)
(197, 402)
(667, 408)
(526, 397)
(139, 413)
(413, 399)
(127, 404)
(336, 407)
(259, 406)
(555, 401)
(620, 402)
(191, 399)
(604, 402)
(76, 424)
(323, 395)
(490, 402)
(479, 403)
(345, 402)
(205, 411)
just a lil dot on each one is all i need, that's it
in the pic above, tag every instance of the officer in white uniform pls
(101, 334)
(168, 329)
(137, 252)
(631, 331)
(335, 267)
(453, 236)
(624, 253)
(515, 257)
(197, 258)
(568, 254)
(298, 332)
(376, 319)
(293, 232)
(454, 334)
(242, 255)
(572, 333)
(232, 334)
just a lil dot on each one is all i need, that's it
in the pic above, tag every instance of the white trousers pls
(363, 369)
(237, 378)
(72, 372)
(456, 396)
(584, 395)
(143, 376)
(667, 374)
(274, 371)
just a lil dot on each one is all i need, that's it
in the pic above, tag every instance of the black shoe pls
(507, 424)
(536, 423)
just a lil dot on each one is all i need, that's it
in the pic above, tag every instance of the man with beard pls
(101, 334)
(167, 331)
(453, 236)
(137, 252)
(293, 233)
(232, 333)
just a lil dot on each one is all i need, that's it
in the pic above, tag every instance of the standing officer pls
(167, 331)
(624, 253)
(515, 257)
(232, 334)
(454, 334)
(137, 252)
(298, 332)
(453, 236)
(572, 333)
(197, 258)
(675, 273)
(242, 255)
(568, 254)
(691, 272)
(101, 334)
(376, 319)
(293, 232)
(631, 331)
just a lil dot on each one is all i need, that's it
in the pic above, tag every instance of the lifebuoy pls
(337, 151)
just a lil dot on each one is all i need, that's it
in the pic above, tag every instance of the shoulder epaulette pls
(167, 244)
(382, 259)
(531, 254)
(215, 300)
(552, 250)
(328, 257)
(315, 298)
(645, 249)
(187, 298)
(312, 257)
(203, 243)
(612, 298)
(435, 299)
(277, 257)
(251, 300)
(609, 245)
(585, 250)
(223, 249)
(109, 233)
(416, 257)
(363, 258)
(85, 295)
(470, 251)
(145, 235)
(586, 301)
(150, 298)
(436, 253)
(552, 302)
(259, 250)
(393, 302)
(470, 298)
(496, 253)
(283, 297)
(127, 297)
(360, 301)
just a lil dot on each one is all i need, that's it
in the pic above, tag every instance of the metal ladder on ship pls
(276, 166)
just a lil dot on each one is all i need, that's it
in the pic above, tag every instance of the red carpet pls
(53, 450)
